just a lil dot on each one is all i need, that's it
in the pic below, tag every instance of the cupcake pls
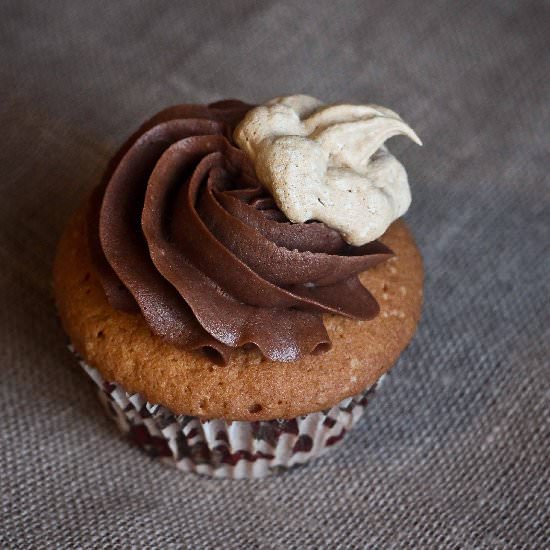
(240, 281)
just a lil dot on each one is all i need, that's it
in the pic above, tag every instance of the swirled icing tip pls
(182, 231)
(329, 163)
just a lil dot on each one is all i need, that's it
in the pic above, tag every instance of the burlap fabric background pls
(454, 453)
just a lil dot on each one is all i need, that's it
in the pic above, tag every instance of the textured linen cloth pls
(454, 451)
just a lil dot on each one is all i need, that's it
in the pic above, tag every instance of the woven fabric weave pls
(454, 451)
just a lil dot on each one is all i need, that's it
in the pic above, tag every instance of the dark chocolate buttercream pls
(181, 231)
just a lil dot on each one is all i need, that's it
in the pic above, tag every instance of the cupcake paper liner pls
(228, 449)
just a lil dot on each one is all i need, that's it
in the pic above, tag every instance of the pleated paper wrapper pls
(228, 449)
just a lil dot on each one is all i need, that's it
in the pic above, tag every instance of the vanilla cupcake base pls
(226, 449)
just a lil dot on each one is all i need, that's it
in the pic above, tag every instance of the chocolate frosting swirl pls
(182, 231)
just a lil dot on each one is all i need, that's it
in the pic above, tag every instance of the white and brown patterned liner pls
(222, 448)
